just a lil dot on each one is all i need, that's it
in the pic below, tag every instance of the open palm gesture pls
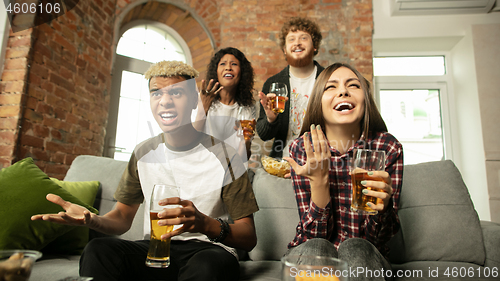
(74, 214)
(318, 156)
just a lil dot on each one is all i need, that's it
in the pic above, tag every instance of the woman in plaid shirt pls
(341, 116)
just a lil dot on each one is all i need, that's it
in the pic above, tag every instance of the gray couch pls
(441, 237)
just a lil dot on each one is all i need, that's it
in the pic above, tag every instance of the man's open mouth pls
(168, 116)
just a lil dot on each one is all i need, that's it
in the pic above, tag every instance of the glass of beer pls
(278, 101)
(246, 119)
(313, 268)
(362, 162)
(159, 249)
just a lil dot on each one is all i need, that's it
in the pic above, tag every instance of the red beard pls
(300, 62)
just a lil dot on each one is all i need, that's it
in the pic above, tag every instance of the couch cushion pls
(438, 220)
(95, 168)
(73, 242)
(277, 218)
(23, 193)
(56, 267)
(108, 172)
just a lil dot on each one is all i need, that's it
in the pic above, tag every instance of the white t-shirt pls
(205, 175)
(221, 120)
(300, 92)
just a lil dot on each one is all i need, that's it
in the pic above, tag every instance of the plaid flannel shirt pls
(336, 222)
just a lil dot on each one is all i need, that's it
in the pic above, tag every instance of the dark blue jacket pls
(279, 128)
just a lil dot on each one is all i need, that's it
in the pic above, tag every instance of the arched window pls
(152, 44)
(130, 119)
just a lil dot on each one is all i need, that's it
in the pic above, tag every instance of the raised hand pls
(74, 214)
(265, 100)
(317, 166)
(209, 92)
(318, 160)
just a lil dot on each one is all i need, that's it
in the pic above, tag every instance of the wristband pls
(224, 231)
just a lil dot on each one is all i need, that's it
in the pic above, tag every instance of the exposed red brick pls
(9, 111)
(7, 137)
(32, 141)
(10, 99)
(6, 150)
(69, 86)
(8, 123)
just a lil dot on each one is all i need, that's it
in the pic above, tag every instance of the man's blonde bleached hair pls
(171, 69)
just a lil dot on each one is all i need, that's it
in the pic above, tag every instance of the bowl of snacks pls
(20, 254)
(17, 264)
(275, 166)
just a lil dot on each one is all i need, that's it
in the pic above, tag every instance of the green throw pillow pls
(23, 190)
(73, 242)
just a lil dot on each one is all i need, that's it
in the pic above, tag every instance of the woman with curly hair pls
(227, 96)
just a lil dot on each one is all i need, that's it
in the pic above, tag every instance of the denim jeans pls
(364, 261)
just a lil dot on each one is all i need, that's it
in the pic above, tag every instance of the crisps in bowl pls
(275, 166)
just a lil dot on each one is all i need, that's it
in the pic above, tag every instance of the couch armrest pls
(491, 237)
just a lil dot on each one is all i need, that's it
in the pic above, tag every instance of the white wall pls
(486, 42)
(468, 124)
(450, 35)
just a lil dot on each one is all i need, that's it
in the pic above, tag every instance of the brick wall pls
(346, 27)
(13, 87)
(253, 27)
(57, 81)
(63, 69)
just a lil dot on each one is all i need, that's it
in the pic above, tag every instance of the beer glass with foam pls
(281, 92)
(159, 249)
(362, 162)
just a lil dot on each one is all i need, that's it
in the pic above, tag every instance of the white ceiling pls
(442, 7)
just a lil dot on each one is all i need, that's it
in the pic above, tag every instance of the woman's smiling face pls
(343, 101)
(228, 71)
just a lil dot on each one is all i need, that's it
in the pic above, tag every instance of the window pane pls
(154, 38)
(414, 118)
(172, 46)
(154, 53)
(135, 33)
(130, 48)
(150, 44)
(126, 129)
(132, 83)
(174, 56)
(409, 66)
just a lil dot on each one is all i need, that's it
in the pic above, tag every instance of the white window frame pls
(441, 83)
